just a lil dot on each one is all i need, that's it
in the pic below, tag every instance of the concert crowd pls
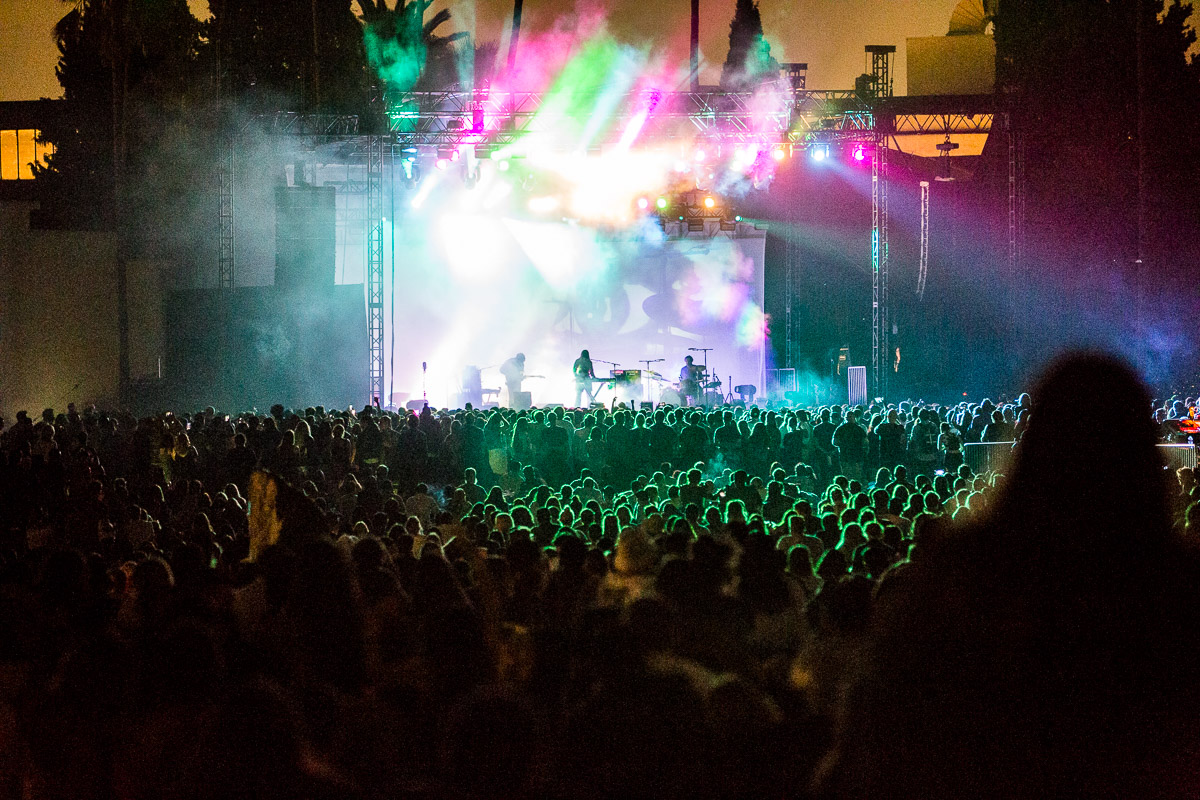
(608, 602)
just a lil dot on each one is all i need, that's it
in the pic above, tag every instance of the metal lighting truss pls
(791, 279)
(225, 280)
(496, 119)
(292, 123)
(923, 258)
(375, 264)
(954, 124)
(880, 354)
(1012, 195)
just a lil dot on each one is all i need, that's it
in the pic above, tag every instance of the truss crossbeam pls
(447, 119)
(295, 124)
(953, 124)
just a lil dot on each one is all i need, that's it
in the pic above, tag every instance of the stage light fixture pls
(709, 202)
(819, 152)
(738, 218)
(442, 163)
(700, 155)
(860, 152)
(643, 203)
(661, 203)
(778, 153)
(503, 166)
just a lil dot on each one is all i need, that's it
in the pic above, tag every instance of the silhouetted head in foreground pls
(1045, 650)
(1087, 467)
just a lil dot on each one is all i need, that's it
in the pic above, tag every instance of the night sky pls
(828, 34)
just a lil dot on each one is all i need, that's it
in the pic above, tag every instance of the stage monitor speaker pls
(305, 236)
(856, 385)
(522, 401)
(257, 345)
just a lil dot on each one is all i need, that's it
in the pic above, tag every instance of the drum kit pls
(630, 385)
(673, 393)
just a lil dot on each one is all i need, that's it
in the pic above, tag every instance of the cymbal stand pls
(703, 398)
(646, 379)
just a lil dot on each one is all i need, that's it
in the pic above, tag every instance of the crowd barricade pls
(1178, 455)
(997, 456)
(985, 456)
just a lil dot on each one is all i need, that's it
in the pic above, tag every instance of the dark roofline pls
(31, 113)
(940, 104)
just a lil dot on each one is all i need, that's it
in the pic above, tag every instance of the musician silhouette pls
(513, 371)
(584, 376)
(689, 380)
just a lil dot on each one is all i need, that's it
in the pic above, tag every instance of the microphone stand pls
(704, 390)
(646, 376)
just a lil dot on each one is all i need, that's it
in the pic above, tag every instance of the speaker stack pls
(305, 236)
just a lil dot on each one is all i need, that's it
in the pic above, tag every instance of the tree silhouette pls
(406, 51)
(749, 62)
(82, 163)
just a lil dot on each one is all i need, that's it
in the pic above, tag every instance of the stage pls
(550, 290)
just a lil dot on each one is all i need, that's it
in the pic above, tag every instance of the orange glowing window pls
(19, 151)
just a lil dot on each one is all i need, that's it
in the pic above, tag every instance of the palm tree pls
(518, 6)
(405, 50)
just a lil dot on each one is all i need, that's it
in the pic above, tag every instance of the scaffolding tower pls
(923, 254)
(791, 270)
(225, 181)
(375, 265)
(881, 78)
(879, 267)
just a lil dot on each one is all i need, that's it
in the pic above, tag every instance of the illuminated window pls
(19, 151)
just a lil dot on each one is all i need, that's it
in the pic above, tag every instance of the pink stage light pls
(643, 203)
(441, 163)
(860, 153)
